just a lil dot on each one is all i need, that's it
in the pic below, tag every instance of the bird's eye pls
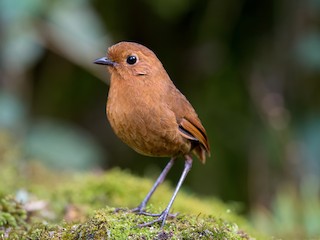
(131, 60)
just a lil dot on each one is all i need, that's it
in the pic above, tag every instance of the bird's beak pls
(104, 61)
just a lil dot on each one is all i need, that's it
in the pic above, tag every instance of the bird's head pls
(130, 59)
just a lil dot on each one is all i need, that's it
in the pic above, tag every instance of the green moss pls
(110, 224)
(82, 206)
(12, 213)
(85, 193)
(12, 217)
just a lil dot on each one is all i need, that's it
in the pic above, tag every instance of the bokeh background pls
(250, 68)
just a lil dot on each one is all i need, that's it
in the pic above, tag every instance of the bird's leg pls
(163, 216)
(140, 209)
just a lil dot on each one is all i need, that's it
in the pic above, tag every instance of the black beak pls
(104, 61)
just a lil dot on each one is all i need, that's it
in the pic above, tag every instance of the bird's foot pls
(138, 210)
(120, 210)
(141, 211)
(162, 217)
(169, 215)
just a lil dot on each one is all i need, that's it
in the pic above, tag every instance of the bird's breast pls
(141, 120)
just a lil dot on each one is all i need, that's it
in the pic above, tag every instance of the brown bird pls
(147, 112)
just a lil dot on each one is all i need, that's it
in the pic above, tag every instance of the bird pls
(148, 113)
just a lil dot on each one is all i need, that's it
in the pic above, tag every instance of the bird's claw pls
(140, 211)
(120, 210)
(170, 215)
(162, 217)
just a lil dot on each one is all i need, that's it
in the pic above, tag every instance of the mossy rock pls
(82, 206)
(108, 224)
(76, 200)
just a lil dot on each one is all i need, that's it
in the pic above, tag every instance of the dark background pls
(251, 69)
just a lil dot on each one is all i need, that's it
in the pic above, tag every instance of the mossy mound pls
(75, 201)
(108, 224)
(82, 206)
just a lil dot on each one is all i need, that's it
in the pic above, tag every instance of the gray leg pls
(142, 205)
(163, 216)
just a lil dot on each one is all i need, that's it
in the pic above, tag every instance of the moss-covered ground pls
(38, 203)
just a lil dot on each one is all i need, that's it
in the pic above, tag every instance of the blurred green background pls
(250, 68)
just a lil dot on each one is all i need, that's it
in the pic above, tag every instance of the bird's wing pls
(194, 131)
(190, 126)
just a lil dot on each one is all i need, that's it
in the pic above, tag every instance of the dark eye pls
(131, 60)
